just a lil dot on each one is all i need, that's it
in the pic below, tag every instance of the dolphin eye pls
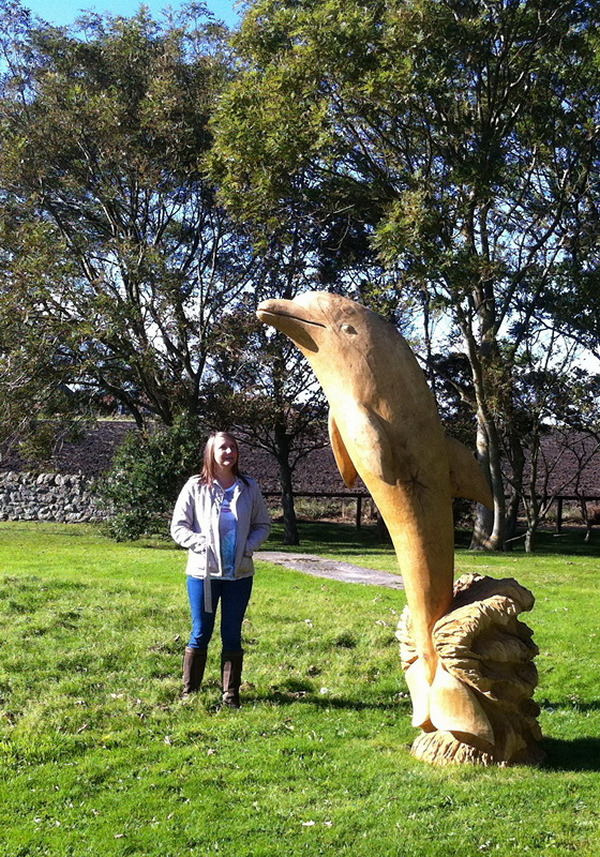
(347, 328)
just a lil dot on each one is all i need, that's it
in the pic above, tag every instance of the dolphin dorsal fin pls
(467, 478)
(340, 453)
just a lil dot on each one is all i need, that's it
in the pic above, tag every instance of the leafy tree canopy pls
(116, 258)
(463, 136)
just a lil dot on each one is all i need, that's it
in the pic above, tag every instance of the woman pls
(222, 518)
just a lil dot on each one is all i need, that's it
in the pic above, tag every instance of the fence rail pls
(570, 498)
(359, 496)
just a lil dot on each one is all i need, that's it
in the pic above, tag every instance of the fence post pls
(358, 512)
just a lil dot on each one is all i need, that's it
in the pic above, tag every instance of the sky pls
(64, 12)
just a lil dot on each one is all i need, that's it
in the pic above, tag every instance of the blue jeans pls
(234, 596)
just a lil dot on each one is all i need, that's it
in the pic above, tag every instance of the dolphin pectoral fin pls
(371, 439)
(454, 707)
(419, 689)
(340, 453)
(467, 478)
(371, 436)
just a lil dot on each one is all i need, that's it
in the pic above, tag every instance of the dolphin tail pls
(454, 707)
(419, 689)
(446, 705)
(467, 478)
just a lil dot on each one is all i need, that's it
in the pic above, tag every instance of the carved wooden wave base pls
(484, 646)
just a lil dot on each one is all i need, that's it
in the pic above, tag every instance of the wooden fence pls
(360, 496)
(570, 498)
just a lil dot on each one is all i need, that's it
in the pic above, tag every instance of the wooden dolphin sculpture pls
(384, 427)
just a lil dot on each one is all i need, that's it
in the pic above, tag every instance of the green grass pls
(99, 756)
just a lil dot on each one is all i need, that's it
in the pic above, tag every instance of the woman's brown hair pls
(208, 470)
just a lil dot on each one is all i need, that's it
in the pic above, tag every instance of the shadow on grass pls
(577, 754)
(573, 705)
(283, 698)
(580, 754)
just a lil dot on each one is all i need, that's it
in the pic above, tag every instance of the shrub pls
(147, 473)
(593, 516)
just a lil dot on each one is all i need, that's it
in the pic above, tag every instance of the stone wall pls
(56, 497)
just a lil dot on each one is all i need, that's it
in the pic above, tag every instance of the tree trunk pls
(489, 528)
(517, 463)
(512, 516)
(586, 520)
(530, 539)
(290, 526)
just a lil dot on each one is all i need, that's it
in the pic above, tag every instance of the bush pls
(593, 516)
(146, 475)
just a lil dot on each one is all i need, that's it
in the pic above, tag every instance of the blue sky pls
(63, 12)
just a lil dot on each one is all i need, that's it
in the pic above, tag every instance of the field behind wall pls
(99, 756)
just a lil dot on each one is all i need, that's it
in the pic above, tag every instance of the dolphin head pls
(327, 328)
(340, 338)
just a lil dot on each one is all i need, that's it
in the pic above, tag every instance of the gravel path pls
(332, 569)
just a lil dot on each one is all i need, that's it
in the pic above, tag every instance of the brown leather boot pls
(231, 674)
(194, 662)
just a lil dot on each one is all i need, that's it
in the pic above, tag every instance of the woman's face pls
(225, 452)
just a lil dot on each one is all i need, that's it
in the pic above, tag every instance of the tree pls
(556, 408)
(123, 275)
(267, 387)
(269, 393)
(462, 135)
(32, 381)
(116, 258)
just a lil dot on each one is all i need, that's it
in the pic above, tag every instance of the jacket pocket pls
(246, 566)
(211, 564)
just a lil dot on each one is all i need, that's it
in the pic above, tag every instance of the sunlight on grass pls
(100, 756)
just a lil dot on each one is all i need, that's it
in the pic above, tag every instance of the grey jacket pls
(195, 525)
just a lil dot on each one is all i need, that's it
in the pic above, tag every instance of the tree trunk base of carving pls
(443, 748)
(479, 708)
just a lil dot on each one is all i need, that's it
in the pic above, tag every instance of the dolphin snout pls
(291, 319)
(269, 309)
(266, 308)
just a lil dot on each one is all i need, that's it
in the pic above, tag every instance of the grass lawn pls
(99, 756)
